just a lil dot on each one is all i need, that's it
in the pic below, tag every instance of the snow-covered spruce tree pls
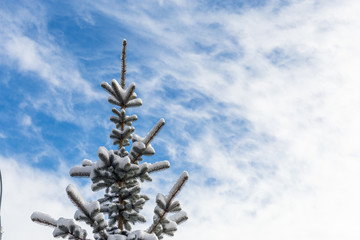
(118, 173)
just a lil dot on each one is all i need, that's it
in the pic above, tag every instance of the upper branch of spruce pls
(134, 156)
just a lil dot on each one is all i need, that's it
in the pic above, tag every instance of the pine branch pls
(47, 220)
(76, 238)
(129, 91)
(116, 87)
(67, 227)
(171, 195)
(153, 132)
(43, 219)
(158, 166)
(179, 217)
(178, 185)
(76, 198)
(79, 171)
(104, 155)
(108, 88)
(121, 118)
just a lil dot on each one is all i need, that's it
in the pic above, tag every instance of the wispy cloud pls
(26, 190)
(29, 48)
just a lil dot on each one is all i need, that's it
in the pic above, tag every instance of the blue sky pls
(261, 102)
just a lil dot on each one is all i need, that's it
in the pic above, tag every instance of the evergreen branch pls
(179, 217)
(65, 227)
(103, 154)
(177, 186)
(146, 168)
(47, 220)
(158, 166)
(153, 132)
(76, 198)
(134, 103)
(129, 91)
(78, 171)
(43, 219)
(77, 238)
(113, 100)
(172, 193)
(108, 88)
(123, 64)
(116, 87)
(117, 112)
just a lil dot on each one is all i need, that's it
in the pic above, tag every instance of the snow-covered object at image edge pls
(118, 173)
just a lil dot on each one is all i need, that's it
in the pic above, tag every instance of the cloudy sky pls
(261, 101)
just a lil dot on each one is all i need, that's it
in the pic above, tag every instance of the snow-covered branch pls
(165, 204)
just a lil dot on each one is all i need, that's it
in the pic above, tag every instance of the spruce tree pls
(119, 173)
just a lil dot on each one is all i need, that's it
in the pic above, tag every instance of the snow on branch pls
(142, 146)
(108, 88)
(88, 212)
(158, 166)
(178, 185)
(63, 227)
(154, 131)
(122, 135)
(78, 171)
(179, 217)
(76, 198)
(67, 227)
(121, 97)
(43, 219)
(165, 204)
(121, 118)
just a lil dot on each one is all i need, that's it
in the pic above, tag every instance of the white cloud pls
(26, 121)
(29, 48)
(48, 62)
(25, 190)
